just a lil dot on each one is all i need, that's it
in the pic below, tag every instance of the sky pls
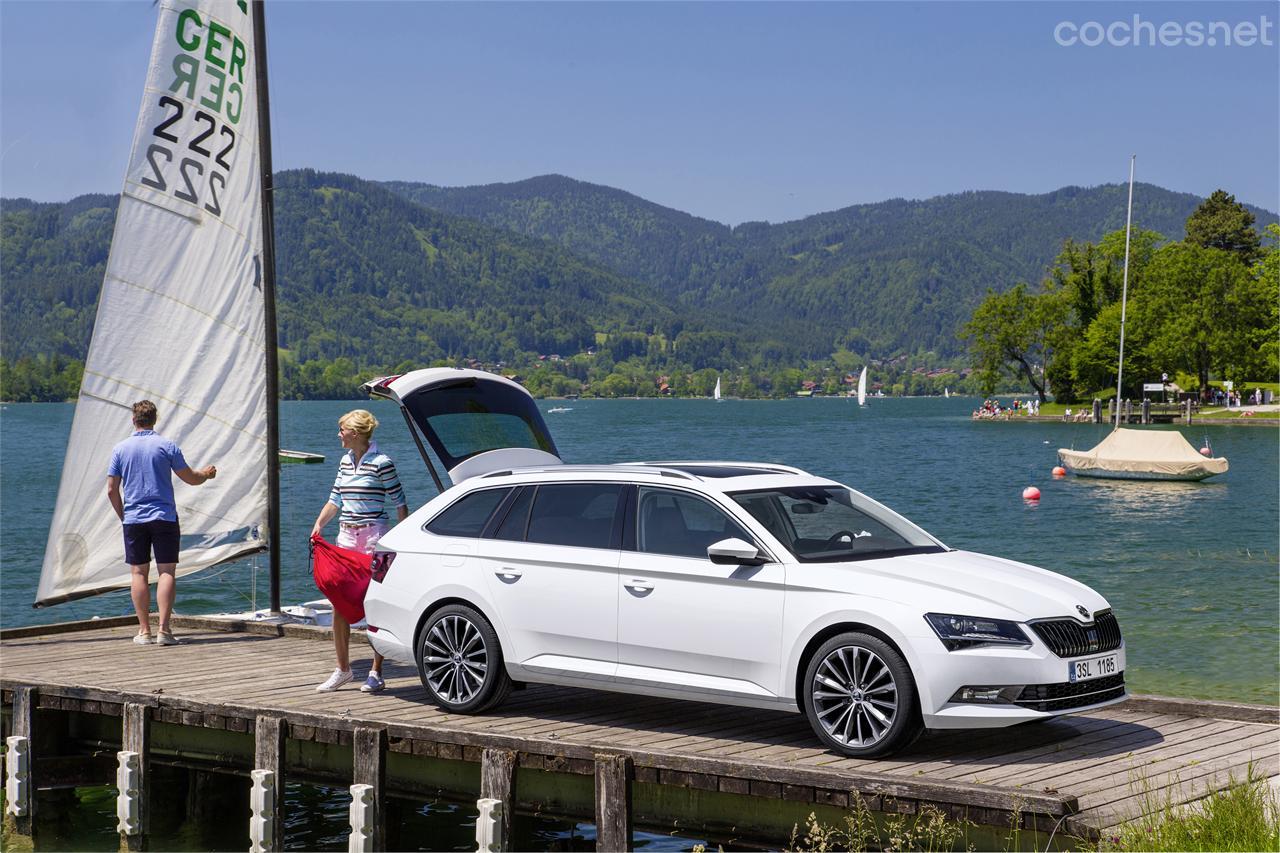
(732, 111)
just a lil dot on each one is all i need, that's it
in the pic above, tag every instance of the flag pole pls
(1124, 294)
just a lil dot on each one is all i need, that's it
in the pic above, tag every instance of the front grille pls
(1067, 638)
(1069, 694)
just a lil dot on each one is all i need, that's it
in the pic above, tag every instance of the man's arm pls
(113, 495)
(196, 477)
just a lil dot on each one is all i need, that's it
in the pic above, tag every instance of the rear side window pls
(513, 526)
(580, 514)
(468, 516)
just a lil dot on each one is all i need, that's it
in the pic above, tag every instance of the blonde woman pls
(366, 485)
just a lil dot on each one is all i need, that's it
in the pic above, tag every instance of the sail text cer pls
(211, 64)
(198, 108)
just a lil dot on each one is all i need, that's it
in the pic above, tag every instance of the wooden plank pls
(269, 735)
(1104, 759)
(1052, 764)
(613, 802)
(1183, 790)
(498, 782)
(369, 748)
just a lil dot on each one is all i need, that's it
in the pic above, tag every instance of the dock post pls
(1186, 405)
(1146, 410)
(264, 817)
(268, 758)
(369, 748)
(131, 777)
(497, 782)
(1111, 411)
(613, 802)
(20, 799)
(364, 819)
(1097, 410)
(489, 823)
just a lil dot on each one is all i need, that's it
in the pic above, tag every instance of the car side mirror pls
(734, 552)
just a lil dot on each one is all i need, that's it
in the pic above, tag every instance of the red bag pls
(343, 576)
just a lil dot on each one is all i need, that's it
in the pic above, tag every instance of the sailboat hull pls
(1101, 473)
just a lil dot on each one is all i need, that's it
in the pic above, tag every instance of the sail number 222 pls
(197, 169)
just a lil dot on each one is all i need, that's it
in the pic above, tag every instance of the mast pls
(1124, 294)
(269, 300)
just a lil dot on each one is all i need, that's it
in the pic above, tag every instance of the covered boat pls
(1133, 454)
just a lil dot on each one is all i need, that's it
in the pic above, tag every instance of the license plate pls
(1091, 668)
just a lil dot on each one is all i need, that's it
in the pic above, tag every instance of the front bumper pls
(1047, 691)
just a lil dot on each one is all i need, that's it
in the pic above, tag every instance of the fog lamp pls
(987, 694)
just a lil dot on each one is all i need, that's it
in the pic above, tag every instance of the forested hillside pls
(378, 277)
(895, 276)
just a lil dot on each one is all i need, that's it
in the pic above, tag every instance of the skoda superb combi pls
(742, 583)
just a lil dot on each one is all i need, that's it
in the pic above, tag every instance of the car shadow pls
(1060, 738)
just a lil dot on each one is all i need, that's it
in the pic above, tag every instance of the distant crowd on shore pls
(993, 409)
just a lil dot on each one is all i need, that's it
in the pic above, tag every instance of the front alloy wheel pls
(860, 697)
(460, 662)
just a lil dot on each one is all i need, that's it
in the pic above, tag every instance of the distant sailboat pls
(1131, 454)
(716, 393)
(946, 392)
(862, 387)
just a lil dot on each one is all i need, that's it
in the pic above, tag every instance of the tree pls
(1012, 332)
(1221, 222)
(1204, 311)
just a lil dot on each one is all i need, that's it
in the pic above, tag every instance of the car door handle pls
(508, 575)
(639, 588)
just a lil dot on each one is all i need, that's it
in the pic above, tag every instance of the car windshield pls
(826, 524)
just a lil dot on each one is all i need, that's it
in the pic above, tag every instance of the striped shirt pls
(362, 495)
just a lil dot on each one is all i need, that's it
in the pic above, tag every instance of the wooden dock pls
(242, 696)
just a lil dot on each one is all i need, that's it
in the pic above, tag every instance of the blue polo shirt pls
(144, 462)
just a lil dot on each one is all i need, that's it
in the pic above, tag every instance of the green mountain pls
(386, 274)
(362, 274)
(887, 277)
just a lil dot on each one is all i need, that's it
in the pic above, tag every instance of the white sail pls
(180, 317)
(716, 393)
(862, 387)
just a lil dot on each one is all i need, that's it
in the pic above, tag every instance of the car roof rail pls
(762, 467)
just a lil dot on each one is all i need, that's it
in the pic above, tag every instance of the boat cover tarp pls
(1133, 452)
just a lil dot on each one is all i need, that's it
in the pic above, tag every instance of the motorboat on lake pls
(1140, 454)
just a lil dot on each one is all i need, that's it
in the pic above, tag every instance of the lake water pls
(1190, 569)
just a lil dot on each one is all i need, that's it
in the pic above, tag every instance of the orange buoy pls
(1031, 493)
(1206, 451)
(1059, 471)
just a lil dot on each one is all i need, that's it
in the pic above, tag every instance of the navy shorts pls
(140, 539)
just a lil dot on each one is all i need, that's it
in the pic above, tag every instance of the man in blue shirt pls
(142, 463)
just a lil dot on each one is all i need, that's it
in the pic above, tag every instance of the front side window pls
(580, 514)
(681, 525)
(820, 524)
(468, 515)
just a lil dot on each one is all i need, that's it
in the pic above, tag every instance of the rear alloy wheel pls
(460, 662)
(860, 697)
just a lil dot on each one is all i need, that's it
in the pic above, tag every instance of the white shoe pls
(142, 639)
(336, 680)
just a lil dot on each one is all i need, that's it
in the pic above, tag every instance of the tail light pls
(382, 561)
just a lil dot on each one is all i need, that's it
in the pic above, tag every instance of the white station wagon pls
(744, 583)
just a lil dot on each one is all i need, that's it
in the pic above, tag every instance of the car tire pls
(460, 661)
(860, 696)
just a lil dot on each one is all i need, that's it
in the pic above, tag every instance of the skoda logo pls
(1084, 614)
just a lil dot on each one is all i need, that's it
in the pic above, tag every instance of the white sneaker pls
(336, 680)
(142, 639)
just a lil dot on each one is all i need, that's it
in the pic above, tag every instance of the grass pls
(1243, 816)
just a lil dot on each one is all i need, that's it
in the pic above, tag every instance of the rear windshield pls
(475, 416)
(828, 524)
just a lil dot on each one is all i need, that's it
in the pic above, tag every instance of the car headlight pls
(968, 632)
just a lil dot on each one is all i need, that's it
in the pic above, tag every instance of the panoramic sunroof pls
(719, 472)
